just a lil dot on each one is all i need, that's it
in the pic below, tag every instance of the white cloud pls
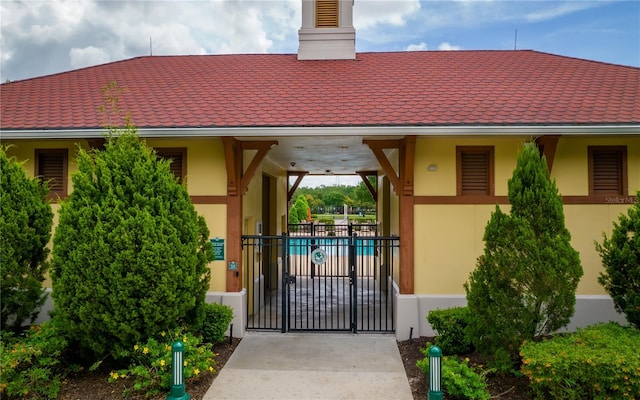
(88, 56)
(447, 46)
(369, 13)
(417, 47)
(559, 10)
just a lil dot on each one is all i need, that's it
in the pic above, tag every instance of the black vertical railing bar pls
(354, 282)
(285, 282)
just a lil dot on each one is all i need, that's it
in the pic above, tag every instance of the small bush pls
(30, 367)
(216, 321)
(150, 367)
(459, 380)
(599, 362)
(451, 326)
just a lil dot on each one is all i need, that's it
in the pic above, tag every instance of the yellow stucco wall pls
(570, 167)
(441, 152)
(448, 237)
(206, 169)
(206, 175)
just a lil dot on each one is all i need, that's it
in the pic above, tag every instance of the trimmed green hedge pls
(451, 326)
(216, 321)
(598, 362)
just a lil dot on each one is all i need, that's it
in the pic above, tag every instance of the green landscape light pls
(177, 367)
(435, 374)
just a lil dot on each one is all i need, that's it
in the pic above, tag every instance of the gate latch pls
(290, 279)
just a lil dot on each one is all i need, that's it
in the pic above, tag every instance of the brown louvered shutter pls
(474, 171)
(177, 159)
(52, 168)
(606, 167)
(327, 13)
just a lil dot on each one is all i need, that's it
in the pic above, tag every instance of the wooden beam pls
(407, 245)
(402, 184)
(365, 175)
(376, 147)
(300, 175)
(237, 184)
(263, 148)
(234, 243)
(549, 144)
(408, 150)
(231, 154)
(406, 210)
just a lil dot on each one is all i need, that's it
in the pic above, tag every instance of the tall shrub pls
(25, 230)
(130, 252)
(621, 260)
(524, 284)
(302, 208)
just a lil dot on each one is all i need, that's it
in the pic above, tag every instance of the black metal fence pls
(320, 282)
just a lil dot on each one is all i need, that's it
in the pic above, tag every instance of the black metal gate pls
(321, 280)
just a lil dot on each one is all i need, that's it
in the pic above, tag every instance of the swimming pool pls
(332, 246)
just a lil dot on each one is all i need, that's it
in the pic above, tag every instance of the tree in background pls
(302, 207)
(25, 230)
(524, 284)
(130, 252)
(621, 260)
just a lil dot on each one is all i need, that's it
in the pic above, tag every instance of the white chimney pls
(327, 31)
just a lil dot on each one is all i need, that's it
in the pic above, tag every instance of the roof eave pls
(458, 130)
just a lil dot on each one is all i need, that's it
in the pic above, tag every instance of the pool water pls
(332, 246)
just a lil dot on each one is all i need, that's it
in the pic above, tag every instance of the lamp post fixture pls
(177, 369)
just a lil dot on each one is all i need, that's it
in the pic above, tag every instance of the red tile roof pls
(430, 88)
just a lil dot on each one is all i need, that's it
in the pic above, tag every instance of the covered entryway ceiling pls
(323, 155)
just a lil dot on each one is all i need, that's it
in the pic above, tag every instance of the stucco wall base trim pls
(238, 302)
(413, 309)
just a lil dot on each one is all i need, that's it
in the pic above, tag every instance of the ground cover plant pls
(524, 284)
(621, 260)
(598, 362)
(459, 380)
(130, 252)
(32, 366)
(25, 230)
(150, 370)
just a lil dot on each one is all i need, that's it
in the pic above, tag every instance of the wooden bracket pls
(548, 143)
(238, 182)
(365, 175)
(300, 175)
(403, 181)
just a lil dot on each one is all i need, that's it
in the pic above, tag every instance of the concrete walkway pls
(313, 366)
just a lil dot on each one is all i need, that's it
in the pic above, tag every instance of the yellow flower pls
(145, 350)
(163, 333)
(162, 363)
(210, 369)
(196, 371)
(167, 348)
(135, 347)
(114, 374)
(184, 339)
(185, 363)
(123, 376)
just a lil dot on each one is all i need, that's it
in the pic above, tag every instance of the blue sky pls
(44, 37)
